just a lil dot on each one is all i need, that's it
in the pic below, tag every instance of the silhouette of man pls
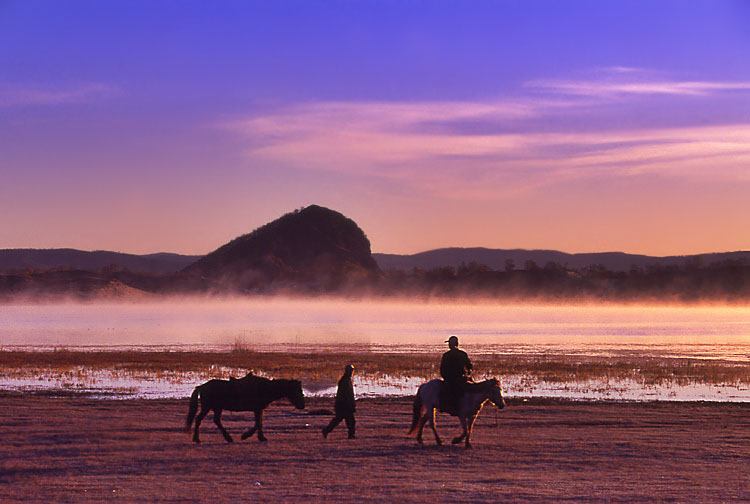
(343, 406)
(455, 368)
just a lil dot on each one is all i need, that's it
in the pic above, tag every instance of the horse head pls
(495, 393)
(295, 395)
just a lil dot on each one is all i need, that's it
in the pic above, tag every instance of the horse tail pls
(193, 409)
(417, 408)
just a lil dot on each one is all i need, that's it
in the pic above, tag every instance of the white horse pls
(428, 400)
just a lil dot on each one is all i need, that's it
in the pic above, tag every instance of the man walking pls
(344, 406)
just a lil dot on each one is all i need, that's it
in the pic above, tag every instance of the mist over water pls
(555, 334)
(389, 326)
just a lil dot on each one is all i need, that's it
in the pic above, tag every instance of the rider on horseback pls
(455, 368)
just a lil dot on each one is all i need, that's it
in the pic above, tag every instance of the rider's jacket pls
(455, 366)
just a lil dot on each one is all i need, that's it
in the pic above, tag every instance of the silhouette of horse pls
(428, 400)
(251, 393)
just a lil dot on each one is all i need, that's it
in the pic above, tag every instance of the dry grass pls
(327, 366)
(645, 370)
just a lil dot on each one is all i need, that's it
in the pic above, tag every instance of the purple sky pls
(177, 126)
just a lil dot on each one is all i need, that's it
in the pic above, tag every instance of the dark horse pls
(427, 400)
(251, 393)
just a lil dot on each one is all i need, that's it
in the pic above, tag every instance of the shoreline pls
(562, 376)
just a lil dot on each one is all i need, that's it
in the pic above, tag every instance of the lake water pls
(720, 333)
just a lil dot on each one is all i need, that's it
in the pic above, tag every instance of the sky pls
(586, 126)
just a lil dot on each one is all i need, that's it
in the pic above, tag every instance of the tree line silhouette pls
(691, 282)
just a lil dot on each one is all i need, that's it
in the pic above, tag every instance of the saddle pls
(243, 390)
(448, 400)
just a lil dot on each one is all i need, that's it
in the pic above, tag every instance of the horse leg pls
(472, 419)
(217, 421)
(259, 422)
(463, 435)
(251, 431)
(203, 412)
(434, 428)
(422, 421)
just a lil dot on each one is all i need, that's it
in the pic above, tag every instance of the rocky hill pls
(311, 249)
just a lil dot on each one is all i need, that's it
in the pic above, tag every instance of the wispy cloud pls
(599, 89)
(302, 120)
(388, 140)
(16, 95)
(614, 81)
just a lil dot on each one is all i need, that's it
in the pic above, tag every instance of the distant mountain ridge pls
(167, 263)
(48, 259)
(316, 250)
(497, 258)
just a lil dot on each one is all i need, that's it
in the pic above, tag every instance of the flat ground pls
(79, 449)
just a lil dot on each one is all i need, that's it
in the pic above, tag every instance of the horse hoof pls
(197, 441)
(262, 439)
(456, 440)
(230, 440)
(440, 443)
(419, 441)
(245, 436)
(468, 446)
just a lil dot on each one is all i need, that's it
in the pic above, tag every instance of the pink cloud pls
(388, 140)
(383, 141)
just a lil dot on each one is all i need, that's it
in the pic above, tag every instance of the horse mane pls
(273, 386)
(250, 377)
(287, 383)
(486, 384)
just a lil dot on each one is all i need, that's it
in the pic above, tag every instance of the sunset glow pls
(584, 127)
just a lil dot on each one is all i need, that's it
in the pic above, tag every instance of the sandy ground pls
(75, 450)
